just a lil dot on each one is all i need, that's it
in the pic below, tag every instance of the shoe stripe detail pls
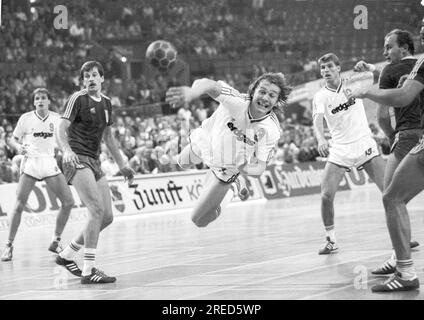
(398, 283)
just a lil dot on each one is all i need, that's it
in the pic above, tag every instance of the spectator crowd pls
(222, 29)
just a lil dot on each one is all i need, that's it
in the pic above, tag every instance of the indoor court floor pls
(255, 250)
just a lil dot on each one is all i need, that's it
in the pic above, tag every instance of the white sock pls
(406, 269)
(331, 233)
(89, 261)
(70, 250)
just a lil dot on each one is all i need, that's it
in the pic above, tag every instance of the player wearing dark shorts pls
(407, 181)
(398, 51)
(86, 120)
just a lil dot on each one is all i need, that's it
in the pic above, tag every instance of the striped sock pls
(89, 261)
(406, 269)
(70, 250)
(330, 232)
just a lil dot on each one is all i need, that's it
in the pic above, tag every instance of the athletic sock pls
(406, 269)
(330, 232)
(70, 250)
(56, 239)
(89, 261)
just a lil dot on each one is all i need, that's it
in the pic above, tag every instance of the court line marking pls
(188, 297)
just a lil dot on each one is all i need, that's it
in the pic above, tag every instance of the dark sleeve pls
(109, 111)
(417, 73)
(386, 81)
(72, 107)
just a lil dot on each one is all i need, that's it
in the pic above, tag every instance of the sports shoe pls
(7, 254)
(396, 283)
(413, 244)
(241, 189)
(55, 247)
(385, 269)
(97, 276)
(330, 247)
(70, 265)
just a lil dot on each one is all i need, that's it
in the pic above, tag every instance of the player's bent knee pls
(327, 197)
(391, 199)
(68, 204)
(107, 220)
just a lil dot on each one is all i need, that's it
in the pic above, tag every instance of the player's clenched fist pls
(362, 66)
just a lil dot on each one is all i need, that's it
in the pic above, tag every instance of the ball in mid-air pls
(161, 54)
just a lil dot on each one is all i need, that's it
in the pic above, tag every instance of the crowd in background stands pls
(226, 28)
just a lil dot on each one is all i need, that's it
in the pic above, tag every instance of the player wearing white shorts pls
(352, 144)
(35, 138)
(239, 137)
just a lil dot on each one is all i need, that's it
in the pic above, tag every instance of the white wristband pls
(372, 67)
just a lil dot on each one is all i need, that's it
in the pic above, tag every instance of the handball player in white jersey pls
(351, 142)
(239, 137)
(35, 138)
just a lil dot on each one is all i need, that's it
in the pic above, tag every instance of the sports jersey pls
(231, 136)
(89, 119)
(346, 119)
(38, 133)
(409, 116)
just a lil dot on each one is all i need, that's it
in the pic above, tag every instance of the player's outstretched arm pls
(180, 95)
(362, 66)
(398, 97)
(112, 145)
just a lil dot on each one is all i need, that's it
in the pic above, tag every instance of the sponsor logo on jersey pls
(44, 135)
(344, 106)
(239, 134)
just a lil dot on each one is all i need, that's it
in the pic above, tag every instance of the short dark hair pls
(329, 57)
(41, 90)
(403, 38)
(87, 66)
(275, 78)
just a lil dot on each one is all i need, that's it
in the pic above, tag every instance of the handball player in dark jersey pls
(86, 120)
(398, 51)
(406, 183)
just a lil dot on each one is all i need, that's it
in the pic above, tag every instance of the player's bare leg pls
(389, 266)
(91, 193)
(407, 182)
(208, 206)
(59, 186)
(375, 169)
(332, 176)
(25, 186)
(391, 165)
